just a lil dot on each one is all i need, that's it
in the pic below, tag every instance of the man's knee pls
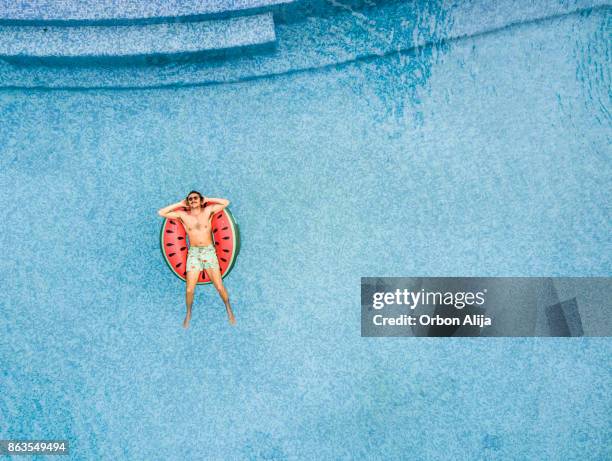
(190, 290)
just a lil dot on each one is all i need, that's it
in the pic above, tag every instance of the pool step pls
(21, 12)
(119, 41)
(319, 42)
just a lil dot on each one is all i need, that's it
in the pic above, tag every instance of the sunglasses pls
(191, 199)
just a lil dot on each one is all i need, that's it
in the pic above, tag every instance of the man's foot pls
(186, 321)
(232, 320)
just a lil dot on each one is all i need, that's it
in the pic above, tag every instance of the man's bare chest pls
(197, 223)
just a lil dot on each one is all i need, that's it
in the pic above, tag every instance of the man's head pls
(194, 200)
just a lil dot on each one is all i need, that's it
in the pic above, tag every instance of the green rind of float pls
(235, 248)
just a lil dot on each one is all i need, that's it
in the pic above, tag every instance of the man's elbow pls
(161, 213)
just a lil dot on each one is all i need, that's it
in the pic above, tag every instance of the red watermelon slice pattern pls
(226, 238)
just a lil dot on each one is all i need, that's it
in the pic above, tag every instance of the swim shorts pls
(200, 258)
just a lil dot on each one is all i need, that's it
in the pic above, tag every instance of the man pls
(201, 255)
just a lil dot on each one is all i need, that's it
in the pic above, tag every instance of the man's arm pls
(218, 204)
(168, 213)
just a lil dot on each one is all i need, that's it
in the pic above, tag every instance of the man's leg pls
(192, 280)
(215, 276)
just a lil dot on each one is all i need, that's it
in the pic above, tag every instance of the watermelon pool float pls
(226, 238)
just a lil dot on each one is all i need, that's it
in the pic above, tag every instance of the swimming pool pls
(396, 139)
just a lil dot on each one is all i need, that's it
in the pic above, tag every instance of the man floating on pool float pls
(201, 255)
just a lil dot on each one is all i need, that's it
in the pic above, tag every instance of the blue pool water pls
(484, 152)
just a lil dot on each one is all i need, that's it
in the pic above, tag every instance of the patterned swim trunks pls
(200, 258)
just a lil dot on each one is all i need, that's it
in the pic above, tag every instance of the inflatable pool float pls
(226, 237)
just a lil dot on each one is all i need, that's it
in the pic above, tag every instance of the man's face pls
(193, 201)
